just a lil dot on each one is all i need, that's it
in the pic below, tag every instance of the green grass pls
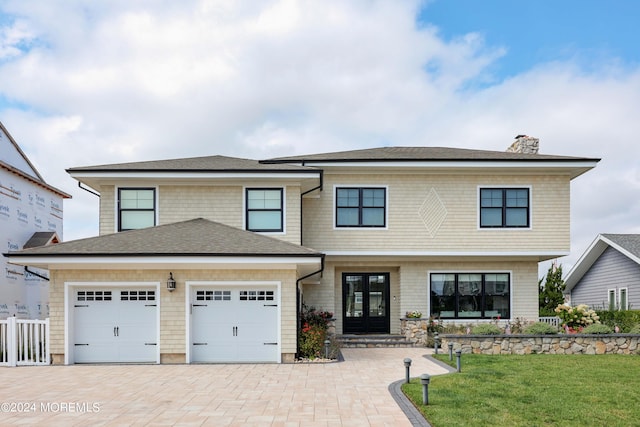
(534, 390)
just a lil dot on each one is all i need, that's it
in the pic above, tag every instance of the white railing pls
(24, 342)
(553, 321)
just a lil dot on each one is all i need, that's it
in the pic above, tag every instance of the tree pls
(551, 293)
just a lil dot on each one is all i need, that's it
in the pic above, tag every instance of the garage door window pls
(137, 296)
(256, 295)
(94, 295)
(213, 295)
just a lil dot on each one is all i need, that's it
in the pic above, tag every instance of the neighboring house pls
(30, 215)
(367, 234)
(607, 276)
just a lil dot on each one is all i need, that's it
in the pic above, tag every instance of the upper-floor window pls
(136, 208)
(360, 207)
(264, 209)
(504, 207)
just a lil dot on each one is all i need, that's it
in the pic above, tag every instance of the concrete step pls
(373, 341)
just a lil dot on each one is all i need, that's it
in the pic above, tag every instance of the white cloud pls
(122, 81)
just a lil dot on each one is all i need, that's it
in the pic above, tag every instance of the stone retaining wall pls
(414, 330)
(547, 344)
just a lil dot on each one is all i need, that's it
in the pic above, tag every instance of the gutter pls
(36, 274)
(87, 190)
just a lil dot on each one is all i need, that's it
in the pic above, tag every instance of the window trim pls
(626, 295)
(337, 187)
(504, 187)
(282, 210)
(118, 211)
(456, 318)
(612, 304)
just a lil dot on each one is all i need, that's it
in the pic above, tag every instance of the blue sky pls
(85, 83)
(537, 32)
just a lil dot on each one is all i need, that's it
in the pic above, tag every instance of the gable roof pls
(421, 153)
(196, 237)
(626, 244)
(42, 238)
(26, 169)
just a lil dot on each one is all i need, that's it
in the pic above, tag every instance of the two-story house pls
(209, 259)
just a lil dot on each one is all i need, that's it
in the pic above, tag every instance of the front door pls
(365, 306)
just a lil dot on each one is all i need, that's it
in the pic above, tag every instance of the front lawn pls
(533, 390)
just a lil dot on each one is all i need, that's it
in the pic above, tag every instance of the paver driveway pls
(350, 393)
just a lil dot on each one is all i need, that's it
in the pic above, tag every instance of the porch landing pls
(374, 341)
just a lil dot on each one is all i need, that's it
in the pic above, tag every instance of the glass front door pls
(365, 305)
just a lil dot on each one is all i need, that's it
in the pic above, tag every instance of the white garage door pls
(115, 325)
(232, 324)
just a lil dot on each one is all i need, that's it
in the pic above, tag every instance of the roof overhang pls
(95, 179)
(302, 264)
(590, 256)
(564, 167)
(536, 256)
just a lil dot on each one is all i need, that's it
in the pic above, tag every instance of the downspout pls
(87, 190)
(298, 299)
(319, 187)
(35, 274)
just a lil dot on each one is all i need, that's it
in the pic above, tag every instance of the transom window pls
(504, 207)
(264, 209)
(470, 295)
(136, 208)
(360, 207)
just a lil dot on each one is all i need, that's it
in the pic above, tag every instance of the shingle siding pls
(612, 270)
(458, 231)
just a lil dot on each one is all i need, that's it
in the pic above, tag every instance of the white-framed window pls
(136, 208)
(618, 299)
(504, 207)
(612, 299)
(264, 209)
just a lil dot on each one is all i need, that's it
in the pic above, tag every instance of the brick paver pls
(349, 393)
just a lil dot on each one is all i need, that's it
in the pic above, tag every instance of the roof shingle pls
(196, 237)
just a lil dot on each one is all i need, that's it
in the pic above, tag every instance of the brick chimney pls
(524, 144)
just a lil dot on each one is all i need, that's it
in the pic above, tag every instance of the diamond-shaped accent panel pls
(432, 212)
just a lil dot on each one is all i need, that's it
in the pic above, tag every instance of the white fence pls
(553, 321)
(24, 342)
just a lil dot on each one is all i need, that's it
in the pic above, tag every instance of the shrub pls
(313, 332)
(578, 317)
(486, 329)
(597, 328)
(540, 328)
(635, 329)
(624, 319)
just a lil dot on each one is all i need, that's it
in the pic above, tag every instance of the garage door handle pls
(116, 331)
(150, 343)
(81, 344)
(200, 343)
(270, 343)
(81, 305)
(271, 305)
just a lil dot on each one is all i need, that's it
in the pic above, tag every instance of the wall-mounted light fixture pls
(171, 283)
